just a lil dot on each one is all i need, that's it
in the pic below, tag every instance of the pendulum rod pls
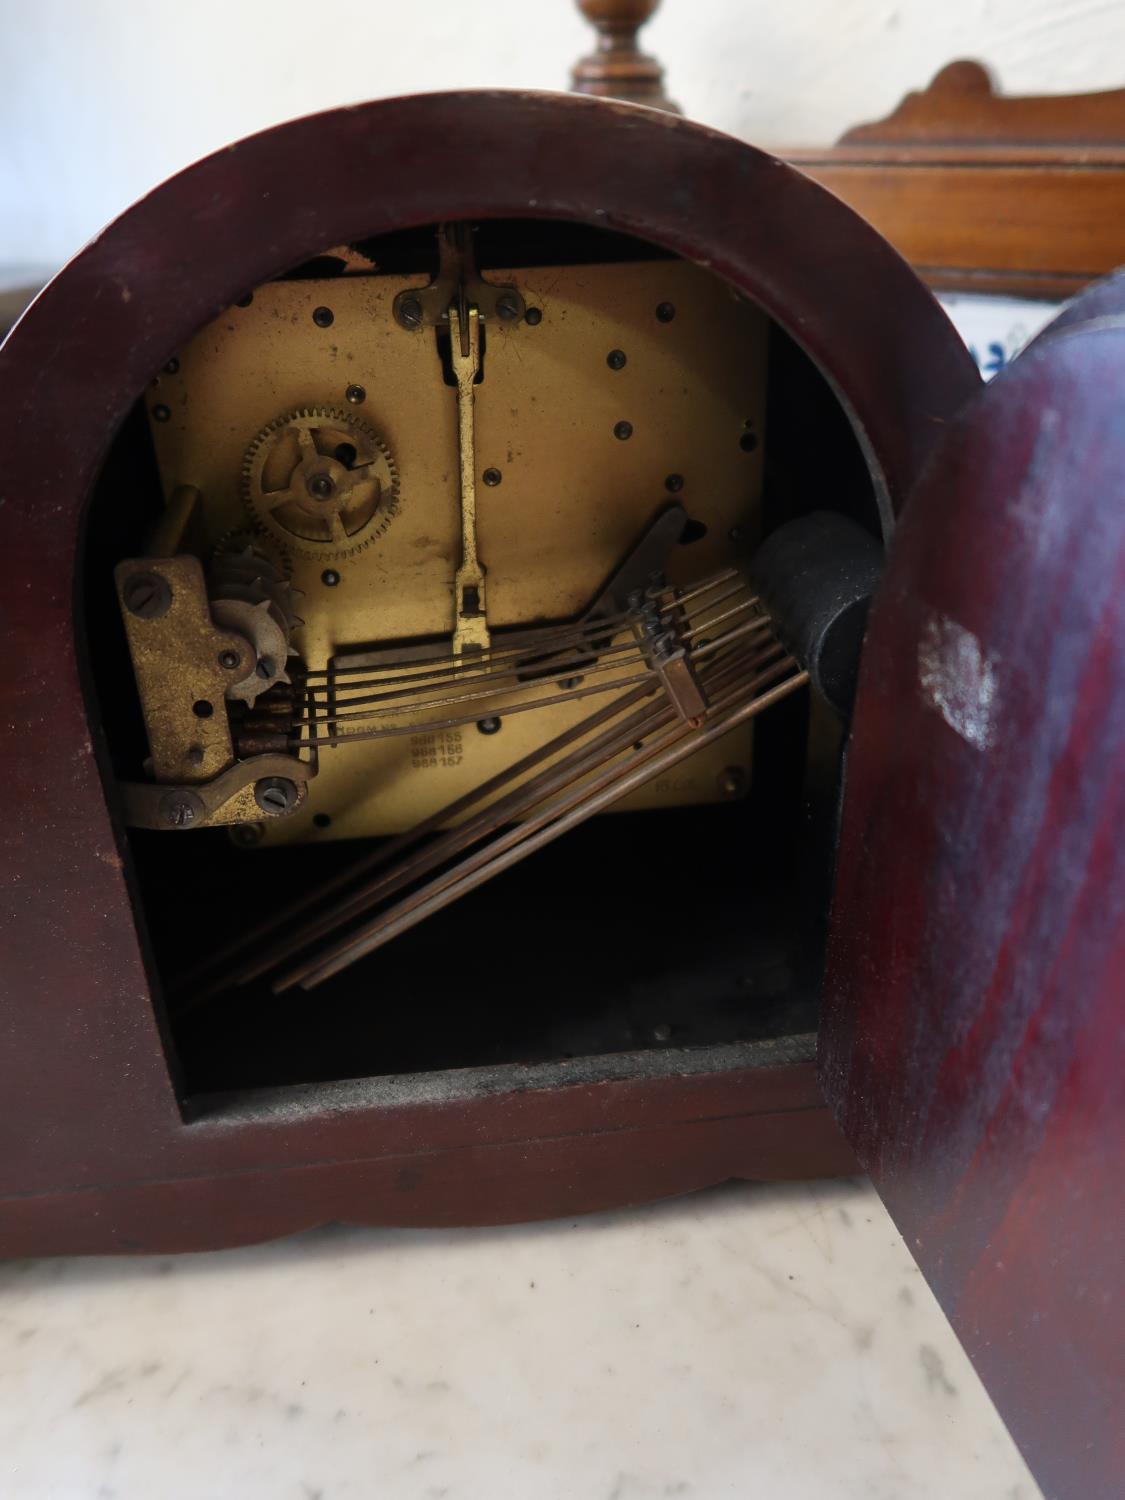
(470, 629)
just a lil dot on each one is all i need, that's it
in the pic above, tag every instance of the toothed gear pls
(251, 594)
(321, 482)
(254, 536)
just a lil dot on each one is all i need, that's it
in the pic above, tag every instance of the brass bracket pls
(250, 791)
(648, 556)
(660, 640)
(682, 685)
(183, 665)
(457, 281)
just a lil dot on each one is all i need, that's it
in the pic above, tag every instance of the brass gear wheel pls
(321, 481)
(253, 535)
(251, 595)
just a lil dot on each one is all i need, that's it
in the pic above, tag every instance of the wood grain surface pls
(1010, 195)
(974, 1042)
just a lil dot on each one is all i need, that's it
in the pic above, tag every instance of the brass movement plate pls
(573, 495)
(175, 657)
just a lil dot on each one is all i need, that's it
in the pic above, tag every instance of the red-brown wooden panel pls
(974, 1045)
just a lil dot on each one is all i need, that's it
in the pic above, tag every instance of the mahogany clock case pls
(459, 1081)
(973, 1037)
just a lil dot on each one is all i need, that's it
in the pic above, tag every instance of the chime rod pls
(737, 609)
(405, 697)
(330, 716)
(393, 847)
(430, 725)
(340, 702)
(740, 590)
(703, 588)
(562, 803)
(453, 841)
(740, 632)
(554, 638)
(526, 671)
(509, 808)
(677, 745)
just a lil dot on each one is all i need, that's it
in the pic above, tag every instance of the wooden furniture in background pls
(982, 193)
(1011, 196)
(618, 69)
(961, 107)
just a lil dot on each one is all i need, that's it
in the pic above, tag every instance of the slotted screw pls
(275, 795)
(147, 596)
(180, 809)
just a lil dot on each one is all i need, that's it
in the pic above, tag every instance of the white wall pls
(101, 99)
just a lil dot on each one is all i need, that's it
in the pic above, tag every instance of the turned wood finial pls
(619, 69)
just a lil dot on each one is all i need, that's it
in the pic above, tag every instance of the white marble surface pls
(749, 1341)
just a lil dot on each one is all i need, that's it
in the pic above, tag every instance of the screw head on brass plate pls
(276, 795)
(147, 595)
(180, 809)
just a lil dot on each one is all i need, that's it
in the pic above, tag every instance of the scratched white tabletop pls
(749, 1341)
